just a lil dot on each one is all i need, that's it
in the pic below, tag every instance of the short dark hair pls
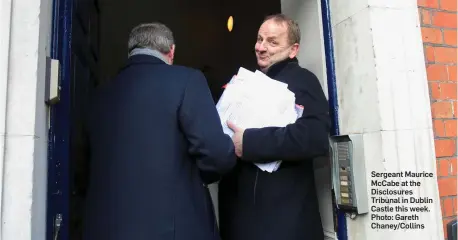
(294, 32)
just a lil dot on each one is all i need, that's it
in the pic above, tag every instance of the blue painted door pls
(75, 39)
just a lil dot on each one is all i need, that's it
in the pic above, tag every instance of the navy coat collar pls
(279, 66)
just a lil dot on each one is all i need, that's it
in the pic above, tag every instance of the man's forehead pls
(271, 28)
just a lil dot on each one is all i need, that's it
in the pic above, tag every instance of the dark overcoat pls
(155, 141)
(257, 205)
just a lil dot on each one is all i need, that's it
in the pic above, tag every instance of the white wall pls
(23, 50)
(383, 95)
(42, 121)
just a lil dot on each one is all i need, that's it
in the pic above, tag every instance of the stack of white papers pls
(253, 100)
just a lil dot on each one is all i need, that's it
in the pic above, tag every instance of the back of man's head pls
(154, 36)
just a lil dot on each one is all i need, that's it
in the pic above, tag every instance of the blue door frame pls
(59, 132)
(332, 93)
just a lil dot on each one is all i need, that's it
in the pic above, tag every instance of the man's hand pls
(237, 138)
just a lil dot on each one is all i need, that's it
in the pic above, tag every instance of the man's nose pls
(261, 47)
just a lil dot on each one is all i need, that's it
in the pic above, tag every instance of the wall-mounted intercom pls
(349, 173)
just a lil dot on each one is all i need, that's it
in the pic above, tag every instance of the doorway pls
(96, 47)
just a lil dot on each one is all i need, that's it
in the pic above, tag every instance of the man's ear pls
(171, 54)
(294, 50)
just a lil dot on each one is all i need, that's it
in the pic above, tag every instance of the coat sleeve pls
(305, 139)
(199, 121)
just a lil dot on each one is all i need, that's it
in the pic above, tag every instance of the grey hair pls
(155, 36)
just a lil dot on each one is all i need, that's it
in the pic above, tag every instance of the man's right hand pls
(237, 138)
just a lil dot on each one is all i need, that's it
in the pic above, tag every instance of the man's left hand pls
(237, 138)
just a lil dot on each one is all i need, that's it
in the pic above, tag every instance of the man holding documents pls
(155, 142)
(271, 195)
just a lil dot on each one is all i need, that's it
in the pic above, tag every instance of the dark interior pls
(199, 26)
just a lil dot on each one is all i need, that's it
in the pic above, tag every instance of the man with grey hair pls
(152, 39)
(258, 205)
(155, 143)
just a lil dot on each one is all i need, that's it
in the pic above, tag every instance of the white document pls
(253, 100)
